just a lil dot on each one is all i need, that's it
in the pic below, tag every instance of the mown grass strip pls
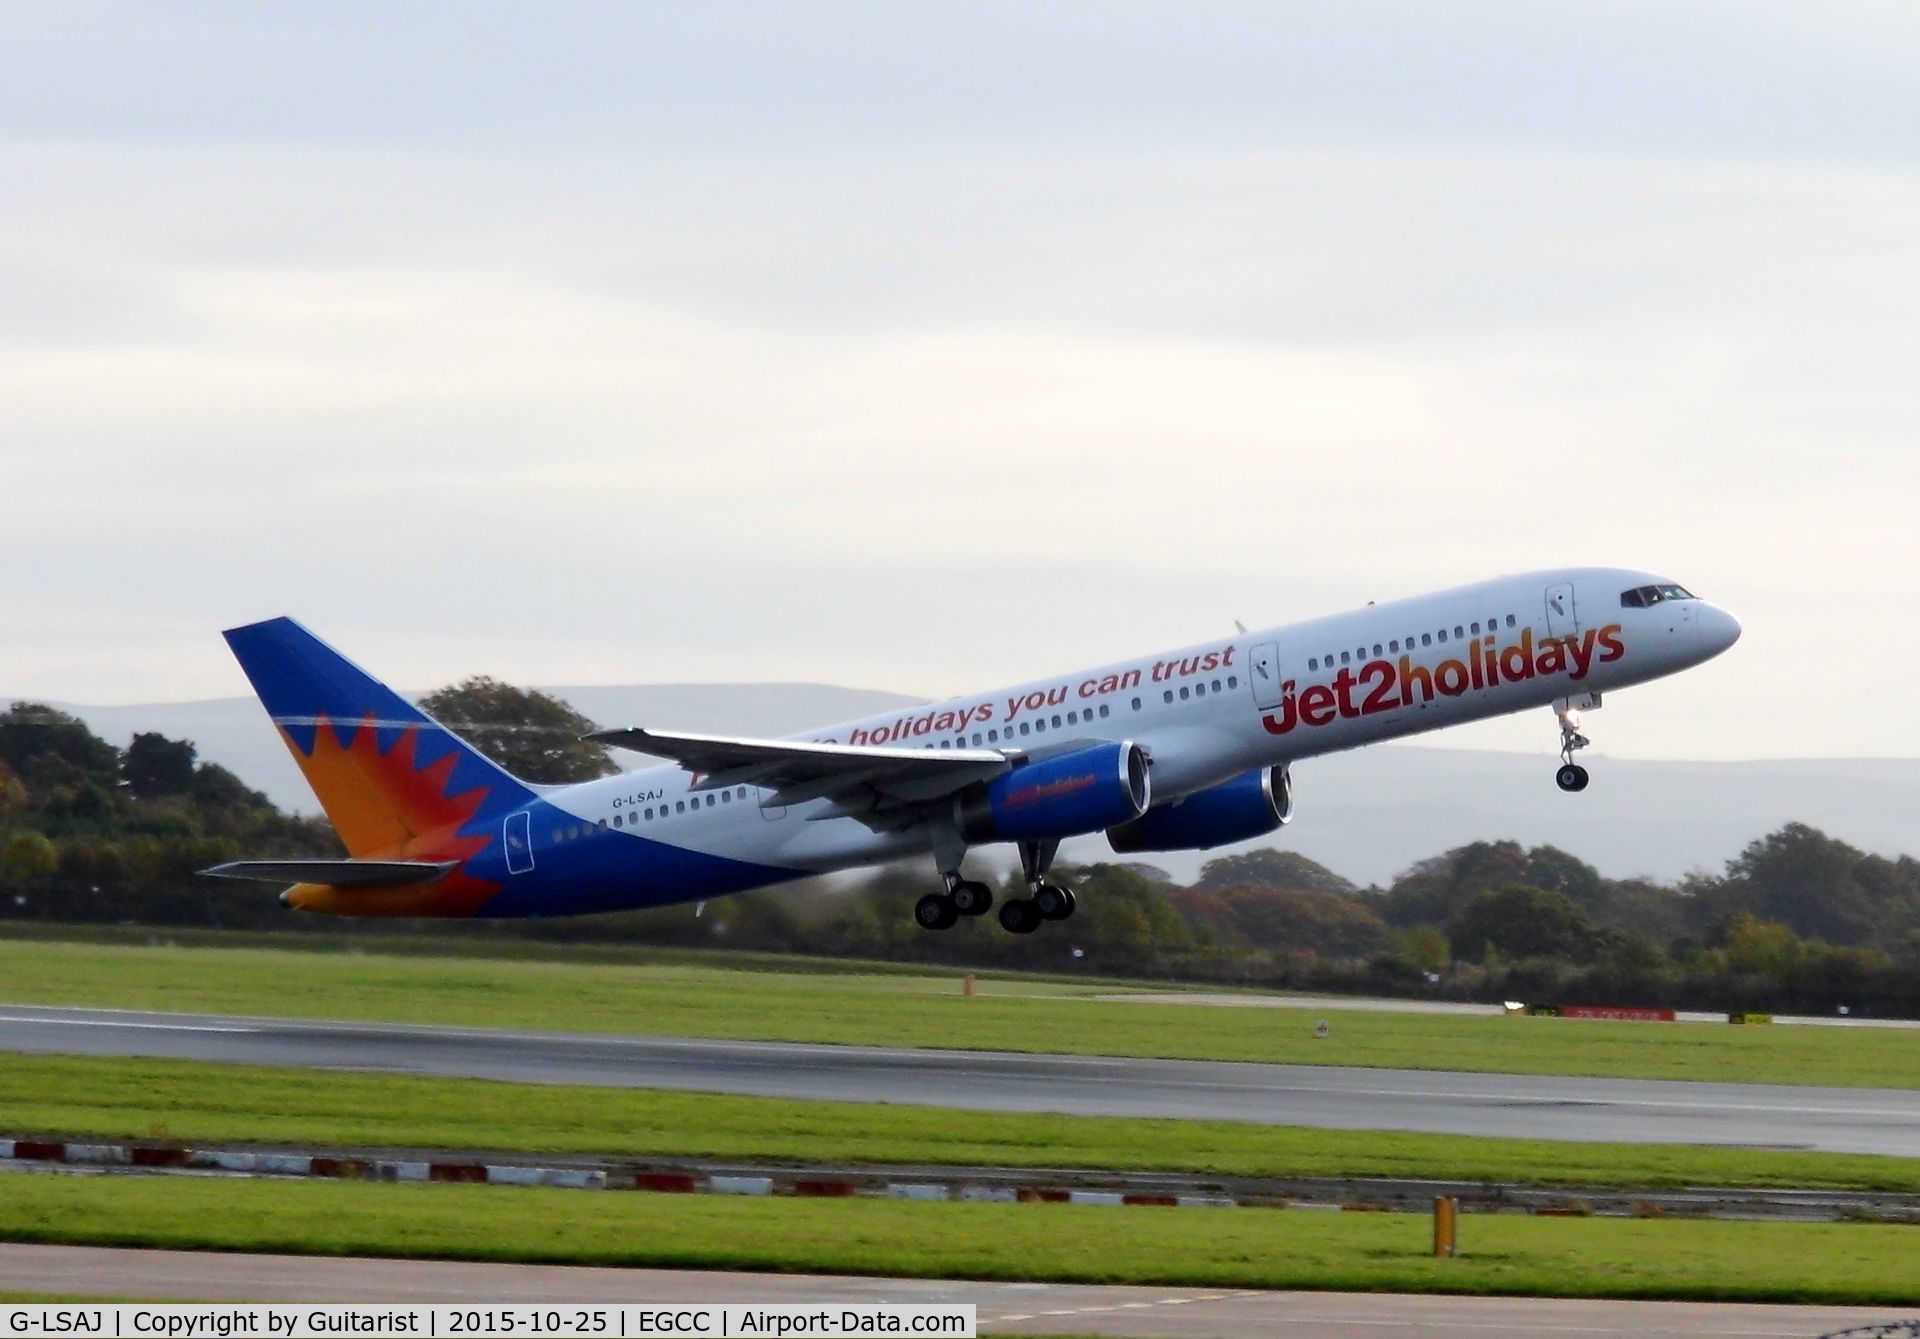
(1776, 1262)
(216, 1104)
(929, 1010)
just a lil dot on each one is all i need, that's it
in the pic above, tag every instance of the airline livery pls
(1178, 751)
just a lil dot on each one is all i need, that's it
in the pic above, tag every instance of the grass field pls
(1784, 1262)
(211, 1104)
(922, 1010)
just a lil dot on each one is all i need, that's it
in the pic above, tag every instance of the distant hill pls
(1367, 814)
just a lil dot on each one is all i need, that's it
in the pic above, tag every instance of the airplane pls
(1180, 750)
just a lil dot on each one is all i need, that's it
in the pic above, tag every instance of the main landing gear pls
(1571, 776)
(1049, 901)
(964, 897)
(1018, 915)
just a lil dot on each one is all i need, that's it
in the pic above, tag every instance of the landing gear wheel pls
(1571, 777)
(935, 911)
(1017, 916)
(1053, 902)
(971, 898)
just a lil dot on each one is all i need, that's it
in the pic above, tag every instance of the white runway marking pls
(117, 1023)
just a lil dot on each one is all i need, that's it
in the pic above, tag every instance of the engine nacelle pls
(1251, 805)
(1064, 796)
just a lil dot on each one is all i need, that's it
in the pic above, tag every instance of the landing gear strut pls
(1049, 901)
(1571, 776)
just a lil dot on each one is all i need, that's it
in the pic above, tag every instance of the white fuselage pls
(1209, 712)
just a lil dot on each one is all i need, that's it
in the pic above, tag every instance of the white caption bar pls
(239, 1321)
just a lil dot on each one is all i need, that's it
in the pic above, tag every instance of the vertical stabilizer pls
(396, 783)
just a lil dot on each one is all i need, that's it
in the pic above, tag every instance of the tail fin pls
(395, 782)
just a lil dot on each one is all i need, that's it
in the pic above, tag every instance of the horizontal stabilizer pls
(337, 873)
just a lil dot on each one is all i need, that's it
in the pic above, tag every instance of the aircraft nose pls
(1716, 629)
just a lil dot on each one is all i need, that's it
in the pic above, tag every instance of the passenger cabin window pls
(1443, 634)
(1426, 639)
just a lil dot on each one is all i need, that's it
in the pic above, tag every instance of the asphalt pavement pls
(1852, 1120)
(1002, 1308)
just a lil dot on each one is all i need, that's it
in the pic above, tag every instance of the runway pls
(1850, 1120)
(1002, 1308)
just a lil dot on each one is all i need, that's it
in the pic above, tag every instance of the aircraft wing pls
(873, 784)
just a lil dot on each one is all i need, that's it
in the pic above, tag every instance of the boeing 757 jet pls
(1179, 750)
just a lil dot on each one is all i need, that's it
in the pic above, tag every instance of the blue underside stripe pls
(611, 870)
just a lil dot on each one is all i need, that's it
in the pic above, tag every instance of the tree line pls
(1797, 921)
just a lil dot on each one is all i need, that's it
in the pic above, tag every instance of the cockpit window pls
(1645, 597)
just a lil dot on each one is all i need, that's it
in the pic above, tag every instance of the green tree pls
(1521, 922)
(49, 748)
(1298, 920)
(1431, 891)
(13, 791)
(1763, 948)
(29, 860)
(215, 788)
(1272, 868)
(532, 734)
(1555, 870)
(1425, 947)
(1807, 881)
(156, 766)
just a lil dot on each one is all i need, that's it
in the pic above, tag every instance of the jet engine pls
(1251, 805)
(1063, 796)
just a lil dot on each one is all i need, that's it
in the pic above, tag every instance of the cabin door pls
(1562, 618)
(1263, 675)
(517, 839)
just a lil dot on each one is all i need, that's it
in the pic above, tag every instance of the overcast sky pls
(929, 347)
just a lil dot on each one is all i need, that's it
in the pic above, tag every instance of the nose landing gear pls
(1572, 776)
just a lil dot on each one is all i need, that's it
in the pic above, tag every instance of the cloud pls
(961, 351)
